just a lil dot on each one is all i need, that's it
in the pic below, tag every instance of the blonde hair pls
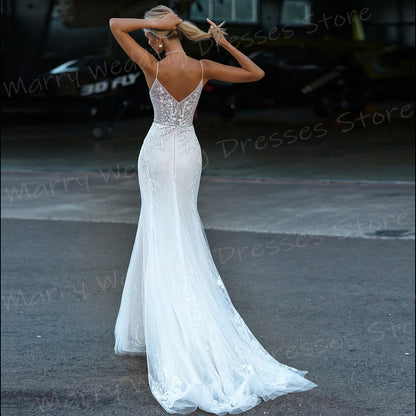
(190, 31)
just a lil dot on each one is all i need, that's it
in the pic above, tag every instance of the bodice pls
(167, 110)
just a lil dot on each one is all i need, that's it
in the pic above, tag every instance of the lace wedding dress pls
(174, 307)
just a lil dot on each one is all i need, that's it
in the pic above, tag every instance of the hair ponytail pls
(189, 30)
(195, 34)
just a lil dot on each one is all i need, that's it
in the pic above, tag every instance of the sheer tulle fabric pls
(175, 309)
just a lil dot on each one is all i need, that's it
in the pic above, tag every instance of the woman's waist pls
(172, 126)
(160, 134)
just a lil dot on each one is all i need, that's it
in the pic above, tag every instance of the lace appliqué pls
(199, 349)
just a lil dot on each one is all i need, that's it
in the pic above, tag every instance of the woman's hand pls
(168, 22)
(216, 33)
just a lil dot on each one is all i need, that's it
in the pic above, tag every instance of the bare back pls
(177, 79)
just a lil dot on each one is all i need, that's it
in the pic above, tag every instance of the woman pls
(174, 307)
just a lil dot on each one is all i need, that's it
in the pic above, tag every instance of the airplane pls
(329, 74)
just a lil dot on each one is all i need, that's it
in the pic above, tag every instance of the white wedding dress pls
(174, 307)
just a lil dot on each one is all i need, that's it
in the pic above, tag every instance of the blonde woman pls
(175, 309)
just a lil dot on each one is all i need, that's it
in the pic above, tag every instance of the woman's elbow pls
(259, 75)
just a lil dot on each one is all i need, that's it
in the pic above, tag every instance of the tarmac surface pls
(314, 240)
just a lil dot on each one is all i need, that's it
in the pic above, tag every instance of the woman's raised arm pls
(248, 72)
(120, 28)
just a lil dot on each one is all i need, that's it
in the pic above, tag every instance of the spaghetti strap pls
(202, 67)
(157, 68)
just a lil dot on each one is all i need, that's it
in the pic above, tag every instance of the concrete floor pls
(335, 296)
(354, 183)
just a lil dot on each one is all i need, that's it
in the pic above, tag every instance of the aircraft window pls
(244, 11)
(295, 12)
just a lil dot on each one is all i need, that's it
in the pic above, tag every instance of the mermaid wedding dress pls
(174, 307)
